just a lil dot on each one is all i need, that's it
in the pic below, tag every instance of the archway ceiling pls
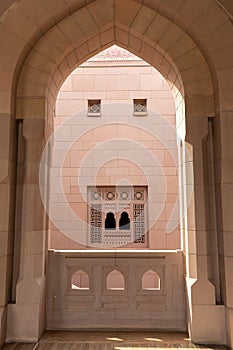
(206, 21)
(226, 5)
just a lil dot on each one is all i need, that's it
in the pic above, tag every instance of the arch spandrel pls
(34, 78)
(49, 62)
(215, 45)
(140, 29)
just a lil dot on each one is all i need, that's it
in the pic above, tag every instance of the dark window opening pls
(110, 222)
(94, 108)
(140, 107)
(124, 223)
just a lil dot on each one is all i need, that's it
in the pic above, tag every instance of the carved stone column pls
(29, 303)
(205, 318)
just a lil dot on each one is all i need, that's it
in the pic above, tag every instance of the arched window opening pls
(124, 222)
(110, 221)
(80, 280)
(150, 280)
(116, 208)
(115, 281)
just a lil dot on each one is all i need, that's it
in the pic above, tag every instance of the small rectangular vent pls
(94, 108)
(140, 107)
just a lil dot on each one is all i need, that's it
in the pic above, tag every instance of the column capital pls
(196, 128)
(34, 129)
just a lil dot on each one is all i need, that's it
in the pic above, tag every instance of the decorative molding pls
(114, 56)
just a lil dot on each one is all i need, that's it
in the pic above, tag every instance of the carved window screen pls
(122, 200)
(96, 223)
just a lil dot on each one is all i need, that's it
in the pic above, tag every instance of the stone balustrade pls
(117, 289)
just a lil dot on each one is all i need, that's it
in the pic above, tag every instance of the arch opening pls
(110, 221)
(115, 280)
(80, 280)
(184, 86)
(151, 281)
(124, 222)
(115, 77)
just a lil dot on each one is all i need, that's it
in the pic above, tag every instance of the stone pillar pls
(205, 318)
(223, 151)
(7, 194)
(26, 316)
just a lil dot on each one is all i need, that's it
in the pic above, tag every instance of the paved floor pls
(92, 340)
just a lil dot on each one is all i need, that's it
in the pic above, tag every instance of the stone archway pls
(158, 40)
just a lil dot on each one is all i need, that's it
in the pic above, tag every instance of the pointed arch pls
(181, 61)
(110, 221)
(58, 52)
(150, 280)
(115, 280)
(80, 280)
(124, 221)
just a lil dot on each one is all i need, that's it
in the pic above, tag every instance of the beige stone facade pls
(111, 151)
(190, 44)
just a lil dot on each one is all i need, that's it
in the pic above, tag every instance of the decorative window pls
(115, 281)
(94, 108)
(80, 280)
(117, 216)
(124, 222)
(150, 280)
(140, 107)
(110, 221)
